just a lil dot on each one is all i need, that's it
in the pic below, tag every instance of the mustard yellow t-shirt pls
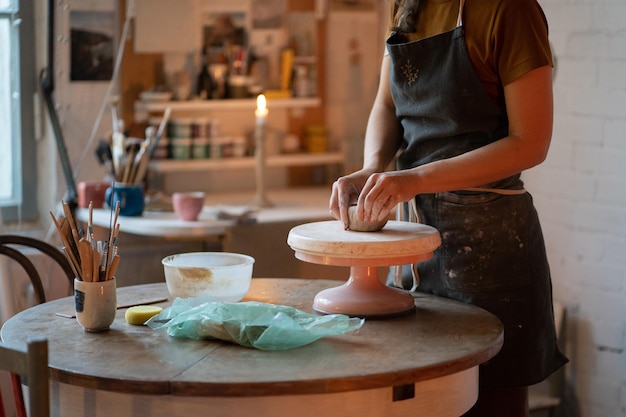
(505, 38)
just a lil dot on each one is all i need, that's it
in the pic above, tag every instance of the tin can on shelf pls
(316, 139)
(215, 129)
(215, 147)
(200, 149)
(201, 127)
(181, 148)
(180, 127)
(239, 146)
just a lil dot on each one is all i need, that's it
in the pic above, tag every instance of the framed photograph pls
(267, 14)
(224, 28)
(92, 45)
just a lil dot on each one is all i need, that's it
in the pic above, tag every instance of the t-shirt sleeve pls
(520, 39)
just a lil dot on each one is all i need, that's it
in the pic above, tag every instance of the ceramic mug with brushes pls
(129, 196)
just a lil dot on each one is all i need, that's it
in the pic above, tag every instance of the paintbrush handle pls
(69, 253)
(113, 267)
(86, 260)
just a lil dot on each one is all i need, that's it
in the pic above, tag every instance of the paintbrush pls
(141, 163)
(86, 259)
(105, 157)
(160, 131)
(118, 152)
(62, 227)
(115, 120)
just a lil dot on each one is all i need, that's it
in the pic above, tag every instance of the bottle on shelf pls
(205, 81)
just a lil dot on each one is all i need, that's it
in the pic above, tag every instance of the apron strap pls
(413, 216)
(502, 191)
(459, 19)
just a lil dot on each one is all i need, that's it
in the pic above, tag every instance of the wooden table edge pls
(277, 388)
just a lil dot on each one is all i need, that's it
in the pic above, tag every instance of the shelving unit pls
(144, 108)
(289, 115)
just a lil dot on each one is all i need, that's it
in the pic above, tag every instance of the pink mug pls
(188, 205)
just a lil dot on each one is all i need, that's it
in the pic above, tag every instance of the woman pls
(465, 103)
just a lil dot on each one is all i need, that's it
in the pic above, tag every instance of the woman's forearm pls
(383, 135)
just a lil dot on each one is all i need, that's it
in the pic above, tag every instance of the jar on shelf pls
(215, 147)
(301, 82)
(201, 127)
(240, 147)
(181, 148)
(200, 148)
(316, 138)
(238, 86)
(182, 86)
(180, 127)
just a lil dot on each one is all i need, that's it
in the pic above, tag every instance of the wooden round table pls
(424, 363)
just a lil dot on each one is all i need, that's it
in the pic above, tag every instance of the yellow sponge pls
(141, 314)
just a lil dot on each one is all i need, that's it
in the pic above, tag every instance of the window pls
(18, 84)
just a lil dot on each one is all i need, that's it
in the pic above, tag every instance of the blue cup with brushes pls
(129, 196)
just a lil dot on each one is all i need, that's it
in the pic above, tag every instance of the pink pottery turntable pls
(364, 295)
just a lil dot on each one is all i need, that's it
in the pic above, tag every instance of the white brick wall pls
(580, 193)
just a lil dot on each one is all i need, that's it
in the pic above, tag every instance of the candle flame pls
(261, 103)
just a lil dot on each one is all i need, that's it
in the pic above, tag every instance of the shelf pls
(304, 59)
(283, 160)
(227, 104)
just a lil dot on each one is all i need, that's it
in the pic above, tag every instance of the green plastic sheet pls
(251, 324)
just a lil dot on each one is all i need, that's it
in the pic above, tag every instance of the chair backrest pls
(32, 365)
(8, 247)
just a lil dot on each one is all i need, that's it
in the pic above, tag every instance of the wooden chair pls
(9, 246)
(31, 364)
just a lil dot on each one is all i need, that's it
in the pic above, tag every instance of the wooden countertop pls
(443, 337)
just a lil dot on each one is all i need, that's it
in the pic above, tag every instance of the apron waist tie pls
(502, 191)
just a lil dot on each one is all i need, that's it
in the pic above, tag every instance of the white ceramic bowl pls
(223, 275)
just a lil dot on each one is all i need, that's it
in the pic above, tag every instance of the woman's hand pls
(383, 191)
(345, 192)
(375, 194)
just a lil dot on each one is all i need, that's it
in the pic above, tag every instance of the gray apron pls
(492, 253)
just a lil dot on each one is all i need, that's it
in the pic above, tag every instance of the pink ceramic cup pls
(188, 205)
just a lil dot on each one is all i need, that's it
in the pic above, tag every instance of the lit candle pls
(261, 110)
(260, 200)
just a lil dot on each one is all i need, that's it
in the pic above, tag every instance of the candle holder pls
(260, 199)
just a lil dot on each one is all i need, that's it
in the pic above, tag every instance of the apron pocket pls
(485, 241)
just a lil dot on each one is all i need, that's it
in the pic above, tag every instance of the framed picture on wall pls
(92, 45)
(267, 14)
(224, 28)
